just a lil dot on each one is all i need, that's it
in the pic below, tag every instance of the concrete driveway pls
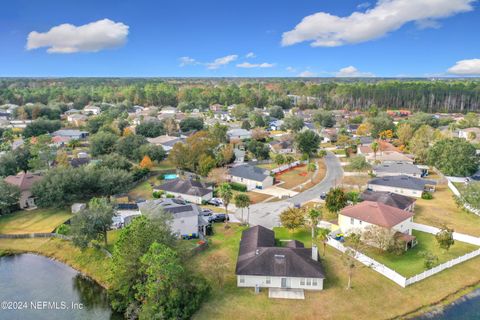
(278, 192)
(267, 214)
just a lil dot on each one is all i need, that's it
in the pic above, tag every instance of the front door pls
(284, 282)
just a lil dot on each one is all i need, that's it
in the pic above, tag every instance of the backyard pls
(35, 221)
(442, 210)
(411, 263)
(373, 296)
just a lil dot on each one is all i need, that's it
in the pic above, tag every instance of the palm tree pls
(375, 147)
(225, 192)
(242, 201)
(322, 236)
(314, 215)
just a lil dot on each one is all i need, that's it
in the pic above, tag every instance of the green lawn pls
(410, 263)
(302, 235)
(35, 221)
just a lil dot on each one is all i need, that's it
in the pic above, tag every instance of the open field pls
(443, 210)
(90, 261)
(35, 221)
(372, 297)
(358, 181)
(410, 263)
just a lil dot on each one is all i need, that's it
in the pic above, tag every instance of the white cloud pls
(306, 74)
(364, 5)
(326, 30)
(90, 37)
(291, 69)
(185, 61)
(255, 65)
(469, 67)
(351, 71)
(250, 55)
(217, 63)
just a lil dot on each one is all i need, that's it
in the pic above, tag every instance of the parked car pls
(219, 217)
(216, 202)
(323, 196)
(206, 212)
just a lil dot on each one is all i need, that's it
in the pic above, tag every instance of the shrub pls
(63, 229)
(427, 195)
(158, 194)
(238, 186)
(170, 196)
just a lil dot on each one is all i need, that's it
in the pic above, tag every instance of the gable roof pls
(402, 181)
(176, 207)
(189, 187)
(397, 167)
(24, 181)
(391, 199)
(249, 172)
(259, 256)
(377, 213)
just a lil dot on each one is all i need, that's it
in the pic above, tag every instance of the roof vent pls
(280, 256)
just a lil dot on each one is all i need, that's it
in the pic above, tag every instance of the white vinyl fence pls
(287, 166)
(398, 278)
(458, 194)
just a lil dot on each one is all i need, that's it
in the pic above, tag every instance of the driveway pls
(277, 192)
(267, 214)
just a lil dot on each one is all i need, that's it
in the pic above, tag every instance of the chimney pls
(314, 252)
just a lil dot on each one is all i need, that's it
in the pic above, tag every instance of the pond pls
(465, 308)
(46, 289)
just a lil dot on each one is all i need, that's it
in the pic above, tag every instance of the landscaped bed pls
(411, 263)
(372, 297)
(35, 221)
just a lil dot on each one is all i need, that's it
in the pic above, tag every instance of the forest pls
(444, 95)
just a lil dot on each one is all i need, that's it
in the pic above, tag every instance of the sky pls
(248, 38)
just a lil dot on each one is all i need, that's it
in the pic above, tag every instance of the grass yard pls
(410, 263)
(358, 181)
(144, 190)
(293, 177)
(90, 261)
(256, 197)
(372, 297)
(443, 210)
(303, 235)
(268, 166)
(35, 221)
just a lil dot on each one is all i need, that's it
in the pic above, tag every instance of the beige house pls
(251, 176)
(24, 182)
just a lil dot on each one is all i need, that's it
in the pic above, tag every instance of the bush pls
(238, 186)
(427, 195)
(170, 196)
(158, 194)
(63, 229)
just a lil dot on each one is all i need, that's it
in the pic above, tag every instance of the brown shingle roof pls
(23, 180)
(377, 213)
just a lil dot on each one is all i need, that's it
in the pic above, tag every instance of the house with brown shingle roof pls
(24, 182)
(369, 213)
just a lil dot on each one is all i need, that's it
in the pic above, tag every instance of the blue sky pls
(213, 38)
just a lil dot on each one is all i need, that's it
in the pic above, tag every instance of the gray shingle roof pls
(189, 187)
(388, 198)
(398, 168)
(249, 172)
(259, 256)
(402, 181)
(178, 209)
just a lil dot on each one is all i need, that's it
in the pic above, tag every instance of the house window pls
(359, 221)
(302, 281)
(242, 279)
(352, 221)
(314, 282)
(268, 281)
(309, 282)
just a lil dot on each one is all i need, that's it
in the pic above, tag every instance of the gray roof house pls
(390, 199)
(404, 185)
(71, 133)
(397, 168)
(251, 176)
(186, 221)
(241, 134)
(189, 190)
(285, 271)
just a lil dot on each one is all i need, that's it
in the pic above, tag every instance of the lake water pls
(47, 289)
(466, 308)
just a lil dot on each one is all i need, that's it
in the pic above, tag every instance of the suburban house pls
(396, 169)
(240, 134)
(71, 134)
(24, 182)
(275, 125)
(77, 119)
(189, 190)
(286, 271)
(390, 199)
(239, 155)
(167, 142)
(186, 219)
(222, 115)
(382, 156)
(92, 110)
(365, 140)
(282, 147)
(404, 185)
(168, 110)
(124, 214)
(370, 213)
(4, 116)
(251, 176)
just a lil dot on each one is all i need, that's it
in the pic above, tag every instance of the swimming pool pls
(170, 176)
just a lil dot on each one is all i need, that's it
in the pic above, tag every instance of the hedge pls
(238, 186)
